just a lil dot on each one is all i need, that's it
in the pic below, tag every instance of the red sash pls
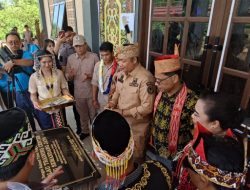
(175, 117)
(199, 129)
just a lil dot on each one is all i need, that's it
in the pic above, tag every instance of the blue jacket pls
(22, 76)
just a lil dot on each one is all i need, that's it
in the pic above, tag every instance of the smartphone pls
(61, 33)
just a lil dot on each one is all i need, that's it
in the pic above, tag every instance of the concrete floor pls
(88, 148)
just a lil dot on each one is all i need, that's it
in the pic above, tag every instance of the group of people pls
(191, 138)
(29, 41)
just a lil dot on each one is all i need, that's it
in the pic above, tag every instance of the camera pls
(61, 33)
(6, 55)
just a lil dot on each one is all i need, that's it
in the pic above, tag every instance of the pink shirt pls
(82, 66)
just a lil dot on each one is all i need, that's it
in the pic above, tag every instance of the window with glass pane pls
(201, 8)
(178, 8)
(159, 8)
(238, 56)
(157, 36)
(233, 86)
(54, 21)
(195, 40)
(191, 76)
(175, 33)
(244, 8)
(160, 3)
(60, 17)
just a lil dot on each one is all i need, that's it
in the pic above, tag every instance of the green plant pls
(18, 13)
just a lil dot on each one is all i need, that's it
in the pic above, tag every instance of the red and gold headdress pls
(128, 51)
(223, 178)
(168, 63)
(195, 154)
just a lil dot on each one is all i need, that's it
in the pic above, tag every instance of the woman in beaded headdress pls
(47, 82)
(49, 45)
(216, 114)
(219, 163)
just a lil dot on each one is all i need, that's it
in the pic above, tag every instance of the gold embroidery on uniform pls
(146, 174)
(144, 179)
(165, 173)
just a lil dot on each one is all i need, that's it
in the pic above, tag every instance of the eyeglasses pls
(13, 43)
(158, 81)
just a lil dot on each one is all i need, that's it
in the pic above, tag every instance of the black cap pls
(16, 142)
(10, 122)
(112, 131)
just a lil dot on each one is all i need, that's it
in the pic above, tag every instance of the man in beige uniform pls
(80, 68)
(134, 96)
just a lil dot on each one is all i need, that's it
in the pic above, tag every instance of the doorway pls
(214, 39)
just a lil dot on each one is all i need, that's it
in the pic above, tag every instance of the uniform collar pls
(132, 177)
(109, 66)
(135, 71)
(85, 56)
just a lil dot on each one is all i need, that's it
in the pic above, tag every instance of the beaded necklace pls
(101, 84)
(49, 82)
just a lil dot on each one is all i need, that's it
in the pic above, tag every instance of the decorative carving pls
(109, 14)
(39, 33)
(112, 12)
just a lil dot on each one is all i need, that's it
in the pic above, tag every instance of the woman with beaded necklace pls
(47, 82)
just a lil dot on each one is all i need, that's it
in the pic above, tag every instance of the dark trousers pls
(49, 121)
(76, 114)
(45, 120)
(23, 101)
(7, 99)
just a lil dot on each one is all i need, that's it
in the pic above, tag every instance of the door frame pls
(217, 27)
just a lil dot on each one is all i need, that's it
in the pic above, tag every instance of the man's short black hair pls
(68, 29)
(26, 26)
(14, 34)
(106, 46)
